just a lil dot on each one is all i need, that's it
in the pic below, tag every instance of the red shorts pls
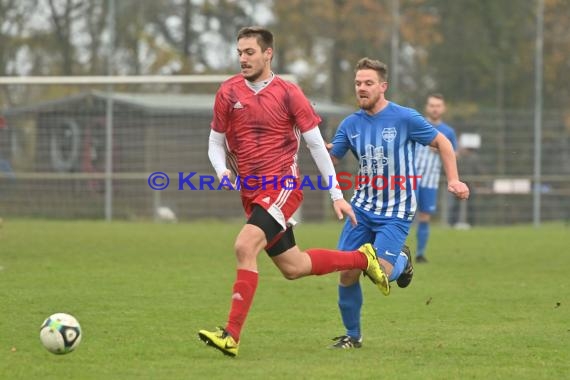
(280, 204)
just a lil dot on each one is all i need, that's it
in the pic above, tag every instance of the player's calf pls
(406, 277)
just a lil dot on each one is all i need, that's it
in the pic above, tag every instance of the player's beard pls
(434, 117)
(368, 104)
(253, 74)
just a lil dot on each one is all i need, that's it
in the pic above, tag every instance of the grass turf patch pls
(492, 303)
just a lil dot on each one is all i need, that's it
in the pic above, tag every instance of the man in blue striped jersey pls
(383, 136)
(428, 165)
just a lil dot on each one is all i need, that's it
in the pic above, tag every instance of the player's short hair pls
(373, 64)
(263, 36)
(435, 95)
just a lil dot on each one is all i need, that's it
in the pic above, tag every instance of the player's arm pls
(450, 135)
(449, 161)
(217, 155)
(423, 132)
(307, 121)
(217, 152)
(339, 145)
(321, 156)
(335, 160)
(435, 150)
(217, 140)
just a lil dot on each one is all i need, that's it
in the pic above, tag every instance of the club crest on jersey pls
(389, 134)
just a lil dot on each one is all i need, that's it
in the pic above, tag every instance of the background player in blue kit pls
(382, 135)
(428, 165)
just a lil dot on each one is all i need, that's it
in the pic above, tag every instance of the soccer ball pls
(60, 333)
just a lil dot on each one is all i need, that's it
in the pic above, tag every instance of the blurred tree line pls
(476, 52)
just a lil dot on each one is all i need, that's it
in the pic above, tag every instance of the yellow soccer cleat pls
(374, 271)
(221, 340)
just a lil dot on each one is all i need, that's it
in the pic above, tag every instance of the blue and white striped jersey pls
(385, 145)
(428, 163)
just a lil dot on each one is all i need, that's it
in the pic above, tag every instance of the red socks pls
(242, 297)
(328, 260)
(323, 261)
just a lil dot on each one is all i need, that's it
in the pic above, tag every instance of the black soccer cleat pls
(421, 259)
(346, 342)
(408, 273)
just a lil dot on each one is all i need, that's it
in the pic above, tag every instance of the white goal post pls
(121, 79)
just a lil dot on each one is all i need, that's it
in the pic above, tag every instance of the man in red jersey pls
(258, 121)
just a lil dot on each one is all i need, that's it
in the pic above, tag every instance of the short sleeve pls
(220, 120)
(420, 130)
(301, 110)
(341, 142)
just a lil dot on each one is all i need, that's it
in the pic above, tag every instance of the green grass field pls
(493, 303)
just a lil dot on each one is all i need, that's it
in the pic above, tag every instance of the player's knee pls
(291, 273)
(244, 250)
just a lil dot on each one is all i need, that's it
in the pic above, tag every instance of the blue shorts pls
(427, 200)
(387, 235)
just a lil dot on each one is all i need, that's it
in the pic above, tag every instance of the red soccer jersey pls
(263, 129)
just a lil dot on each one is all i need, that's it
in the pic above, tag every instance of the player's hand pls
(459, 189)
(341, 208)
(329, 147)
(230, 178)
